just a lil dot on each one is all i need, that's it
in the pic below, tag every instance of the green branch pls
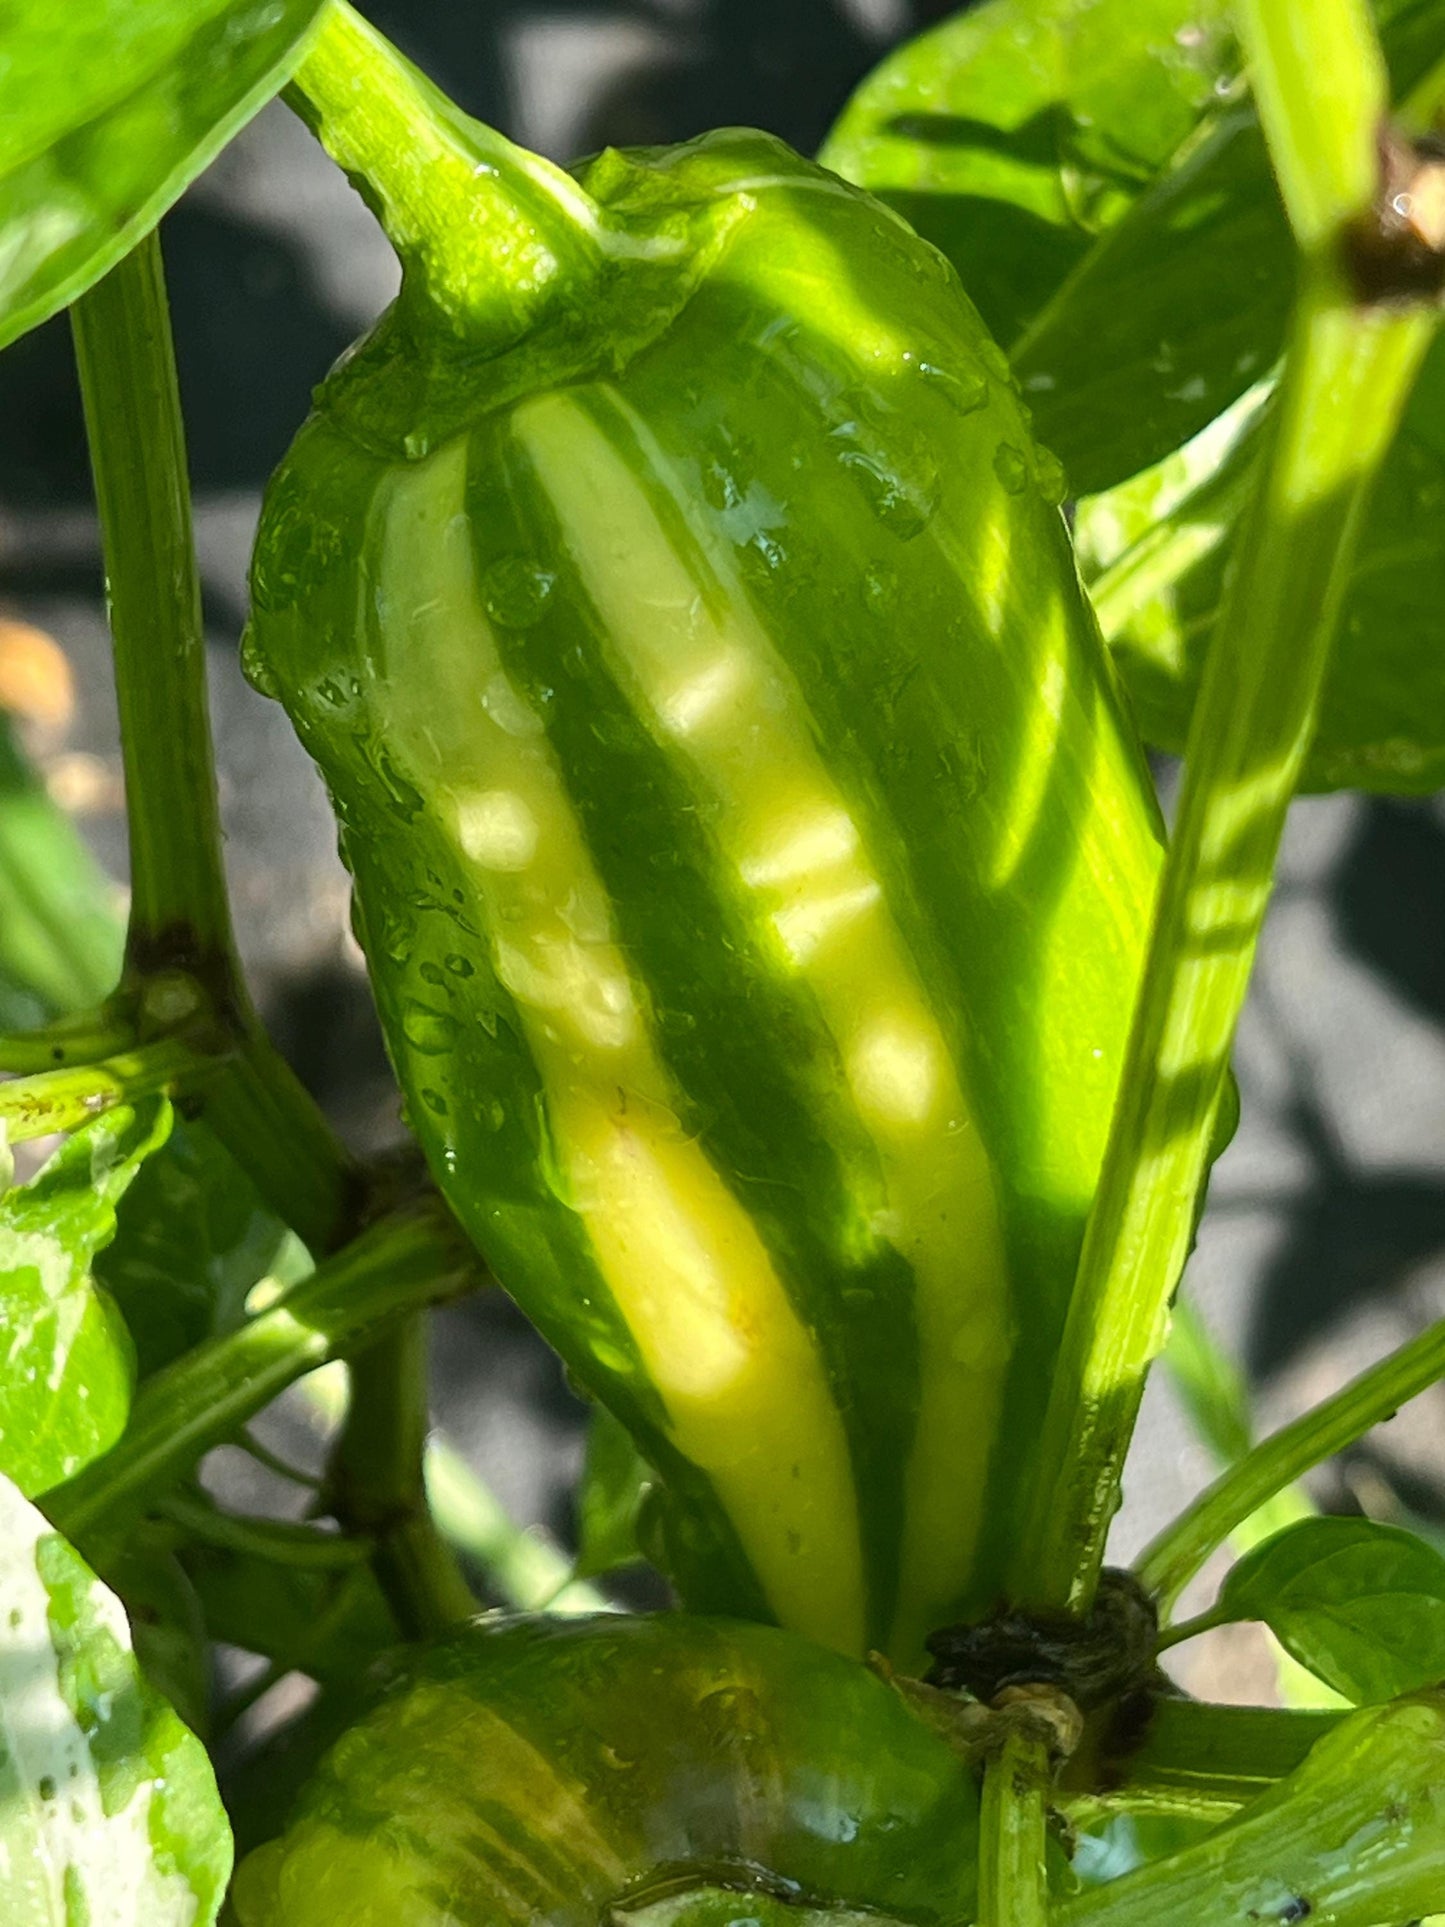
(377, 1487)
(1322, 90)
(51, 1101)
(180, 946)
(1167, 1565)
(400, 1265)
(1013, 1817)
(179, 907)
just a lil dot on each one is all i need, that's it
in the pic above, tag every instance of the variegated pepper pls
(750, 855)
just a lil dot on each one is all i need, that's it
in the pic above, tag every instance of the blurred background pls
(1324, 1245)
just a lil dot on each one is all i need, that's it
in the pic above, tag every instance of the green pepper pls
(544, 1772)
(750, 857)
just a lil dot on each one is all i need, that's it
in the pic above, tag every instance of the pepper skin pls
(751, 859)
(558, 1773)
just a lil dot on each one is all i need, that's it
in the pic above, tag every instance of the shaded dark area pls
(1357, 1236)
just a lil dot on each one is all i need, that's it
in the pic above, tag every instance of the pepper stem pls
(484, 228)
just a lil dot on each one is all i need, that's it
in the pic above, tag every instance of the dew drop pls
(965, 390)
(433, 974)
(1010, 467)
(429, 1031)
(434, 1101)
(397, 937)
(256, 667)
(1053, 483)
(903, 504)
(515, 591)
(460, 966)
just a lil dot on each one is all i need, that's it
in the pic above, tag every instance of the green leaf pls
(68, 1367)
(60, 937)
(1361, 1605)
(1015, 134)
(111, 107)
(615, 1479)
(109, 1813)
(1135, 315)
(1162, 545)
(192, 1238)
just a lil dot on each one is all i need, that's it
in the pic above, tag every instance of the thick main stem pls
(1347, 377)
(378, 1488)
(179, 907)
(180, 914)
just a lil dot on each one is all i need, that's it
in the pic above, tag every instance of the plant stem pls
(485, 227)
(1167, 1565)
(378, 1490)
(32, 1107)
(1012, 1882)
(274, 1129)
(180, 916)
(1346, 380)
(523, 1569)
(85, 1039)
(179, 908)
(401, 1264)
(281, 1541)
(1199, 1759)
(1320, 84)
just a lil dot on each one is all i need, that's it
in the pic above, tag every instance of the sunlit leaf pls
(68, 1366)
(1361, 1605)
(192, 1238)
(1160, 548)
(110, 1815)
(108, 108)
(1014, 134)
(1103, 189)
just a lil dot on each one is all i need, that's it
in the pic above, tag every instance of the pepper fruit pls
(545, 1772)
(751, 859)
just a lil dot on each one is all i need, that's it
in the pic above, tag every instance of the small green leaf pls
(109, 1814)
(615, 1478)
(68, 1366)
(1160, 547)
(192, 1238)
(60, 938)
(1014, 134)
(110, 108)
(1361, 1605)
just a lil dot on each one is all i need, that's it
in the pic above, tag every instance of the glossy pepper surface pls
(750, 858)
(561, 1773)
